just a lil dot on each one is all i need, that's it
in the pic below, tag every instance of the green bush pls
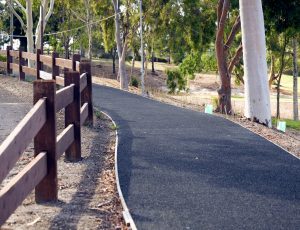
(175, 80)
(2, 58)
(134, 82)
(209, 62)
(191, 65)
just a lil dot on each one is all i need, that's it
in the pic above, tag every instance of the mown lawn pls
(289, 123)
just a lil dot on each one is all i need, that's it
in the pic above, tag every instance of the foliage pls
(209, 62)
(190, 65)
(2, 58)
(134, 82)
(175, 81)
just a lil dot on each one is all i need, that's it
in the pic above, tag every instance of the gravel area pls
(88, 197)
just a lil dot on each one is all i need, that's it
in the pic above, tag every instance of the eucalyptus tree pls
(84, 12)
(126, 24)
(257, 97)
(223, 47)
(26, 18)
(282, 24)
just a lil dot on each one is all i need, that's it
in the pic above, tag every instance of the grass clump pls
(114, 127)
(289, 123)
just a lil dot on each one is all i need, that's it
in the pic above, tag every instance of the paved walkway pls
(11, 112)
(181, 169)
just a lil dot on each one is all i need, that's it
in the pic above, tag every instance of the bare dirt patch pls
(88, 197)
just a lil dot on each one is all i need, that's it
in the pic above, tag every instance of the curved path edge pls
(126, 213)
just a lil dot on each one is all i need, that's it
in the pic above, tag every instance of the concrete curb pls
(126, 213)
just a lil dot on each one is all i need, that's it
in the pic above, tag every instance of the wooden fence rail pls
(40, 124)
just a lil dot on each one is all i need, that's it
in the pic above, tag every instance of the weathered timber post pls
(55, 68)
(72, 116)
(75, 58)
(8, 60)
(86, 94)
(21, 63)
(45, 141)
(38, 64)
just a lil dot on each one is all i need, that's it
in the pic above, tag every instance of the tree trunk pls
(152, 58)
(132, 65)
(90, 37)
(224, 91)
(29, 32)
(89, 28)
(121, 48)
(113, 54)
(295, 81)
(282, 64)
(272, 76)
(257, 96)
(122, 69)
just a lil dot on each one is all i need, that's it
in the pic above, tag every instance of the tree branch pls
(49, 13)
(235, 28)
(76, 15)
(17, 16)
(20, 5)
(236, 58)
(219, 11)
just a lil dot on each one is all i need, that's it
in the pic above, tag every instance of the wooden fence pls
(40, 125)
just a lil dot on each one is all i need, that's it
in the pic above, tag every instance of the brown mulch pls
(87, 196)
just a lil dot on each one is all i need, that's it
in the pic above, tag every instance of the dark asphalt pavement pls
(11, 112)
(181, 169)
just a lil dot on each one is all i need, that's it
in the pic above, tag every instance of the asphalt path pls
(11, 112)
(182, 169)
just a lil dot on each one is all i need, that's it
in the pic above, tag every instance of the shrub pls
(2, 58)
(134, 82)
(175, 80)
(209, 62)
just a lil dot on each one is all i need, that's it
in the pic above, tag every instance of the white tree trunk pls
(120, 47)
(295, 81)
(122, 68)
(49, 9)
(257, 96)
(89, 27)
(29, 27)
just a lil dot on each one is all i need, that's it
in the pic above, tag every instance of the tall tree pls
(27, 12)
(295, 80)
(282, 23)
(257, 97)
(225, 66)
(121, 40)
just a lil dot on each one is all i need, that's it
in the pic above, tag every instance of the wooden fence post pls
(86, 94)
(75, 58)
(45, 141)
(72, 116)
(38, 64)
(55, 68)
(21, 63)
(8, 60)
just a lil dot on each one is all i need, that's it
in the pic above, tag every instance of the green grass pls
(287, 83)
(114, 127)
(289, 123)
(237, 97)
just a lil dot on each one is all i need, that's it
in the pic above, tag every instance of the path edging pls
(126, 213)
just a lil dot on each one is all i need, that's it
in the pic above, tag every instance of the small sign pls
(281, 125)
(208, 109)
